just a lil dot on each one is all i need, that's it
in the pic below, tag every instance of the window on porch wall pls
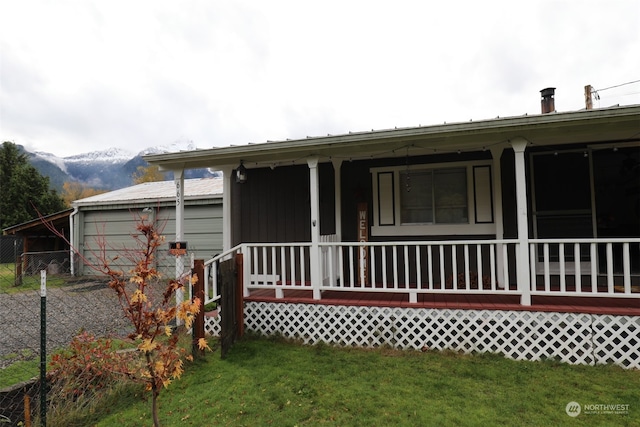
(437, 196)
(433, 200)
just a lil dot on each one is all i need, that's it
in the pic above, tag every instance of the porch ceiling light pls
(241, 173)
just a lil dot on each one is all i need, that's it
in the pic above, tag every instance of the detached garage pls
(109, 220)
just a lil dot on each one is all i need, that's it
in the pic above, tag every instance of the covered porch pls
(522, 208)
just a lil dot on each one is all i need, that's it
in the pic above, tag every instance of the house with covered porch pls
(517, 235)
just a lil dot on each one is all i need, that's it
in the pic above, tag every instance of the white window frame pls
(387, 207)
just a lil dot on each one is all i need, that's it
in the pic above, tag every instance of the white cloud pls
(76, 76)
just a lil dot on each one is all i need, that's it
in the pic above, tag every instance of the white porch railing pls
(211, 285)
(277, 266)
(602, 267)
(420, 267)
(585, 267)
(410, 267)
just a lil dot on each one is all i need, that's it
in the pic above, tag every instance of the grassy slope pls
(264, 382)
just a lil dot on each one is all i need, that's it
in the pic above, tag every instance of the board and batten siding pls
(202, 232)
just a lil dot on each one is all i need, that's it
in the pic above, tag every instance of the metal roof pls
(584, 126)
(36, 224)
(198, 188)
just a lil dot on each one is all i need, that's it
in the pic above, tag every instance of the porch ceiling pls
(617, 124)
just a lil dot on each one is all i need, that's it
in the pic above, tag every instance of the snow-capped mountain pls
(172, 148)
(110, 155)
(107, 169)
(48, 157)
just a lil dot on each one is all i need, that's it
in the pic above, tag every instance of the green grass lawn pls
(269, 382)
(19, 371)
(29, 282)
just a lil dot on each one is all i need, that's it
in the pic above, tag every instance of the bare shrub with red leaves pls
(158, 359)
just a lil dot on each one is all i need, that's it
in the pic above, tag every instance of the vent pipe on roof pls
(548, 103)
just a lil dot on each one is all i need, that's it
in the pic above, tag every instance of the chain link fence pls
(73, 305)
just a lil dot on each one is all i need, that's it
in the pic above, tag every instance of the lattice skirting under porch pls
(522, 335)
(212, 326)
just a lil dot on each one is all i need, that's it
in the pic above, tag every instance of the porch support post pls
(496, 154)
(519, 145)
(314, 251)
(337, 164)
(227, 173)
(337, 178)
(178, 179)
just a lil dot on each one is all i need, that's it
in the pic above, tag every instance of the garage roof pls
(198, 188)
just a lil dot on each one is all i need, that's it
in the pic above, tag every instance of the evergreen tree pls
(23, 190)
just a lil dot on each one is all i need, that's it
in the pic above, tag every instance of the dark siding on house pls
(327, 197)
(356, 188)
(507, 167)
(274, 204)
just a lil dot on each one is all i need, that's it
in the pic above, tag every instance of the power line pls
(611, 87)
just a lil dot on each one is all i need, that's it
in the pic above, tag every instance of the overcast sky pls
(78, 76)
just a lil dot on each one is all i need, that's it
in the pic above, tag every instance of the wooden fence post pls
(240, 295)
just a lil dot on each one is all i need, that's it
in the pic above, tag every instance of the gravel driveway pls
(86, 305)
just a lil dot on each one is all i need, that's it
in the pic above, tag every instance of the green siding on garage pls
(115, 226)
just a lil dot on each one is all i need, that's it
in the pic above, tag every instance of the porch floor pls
(563, 304)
